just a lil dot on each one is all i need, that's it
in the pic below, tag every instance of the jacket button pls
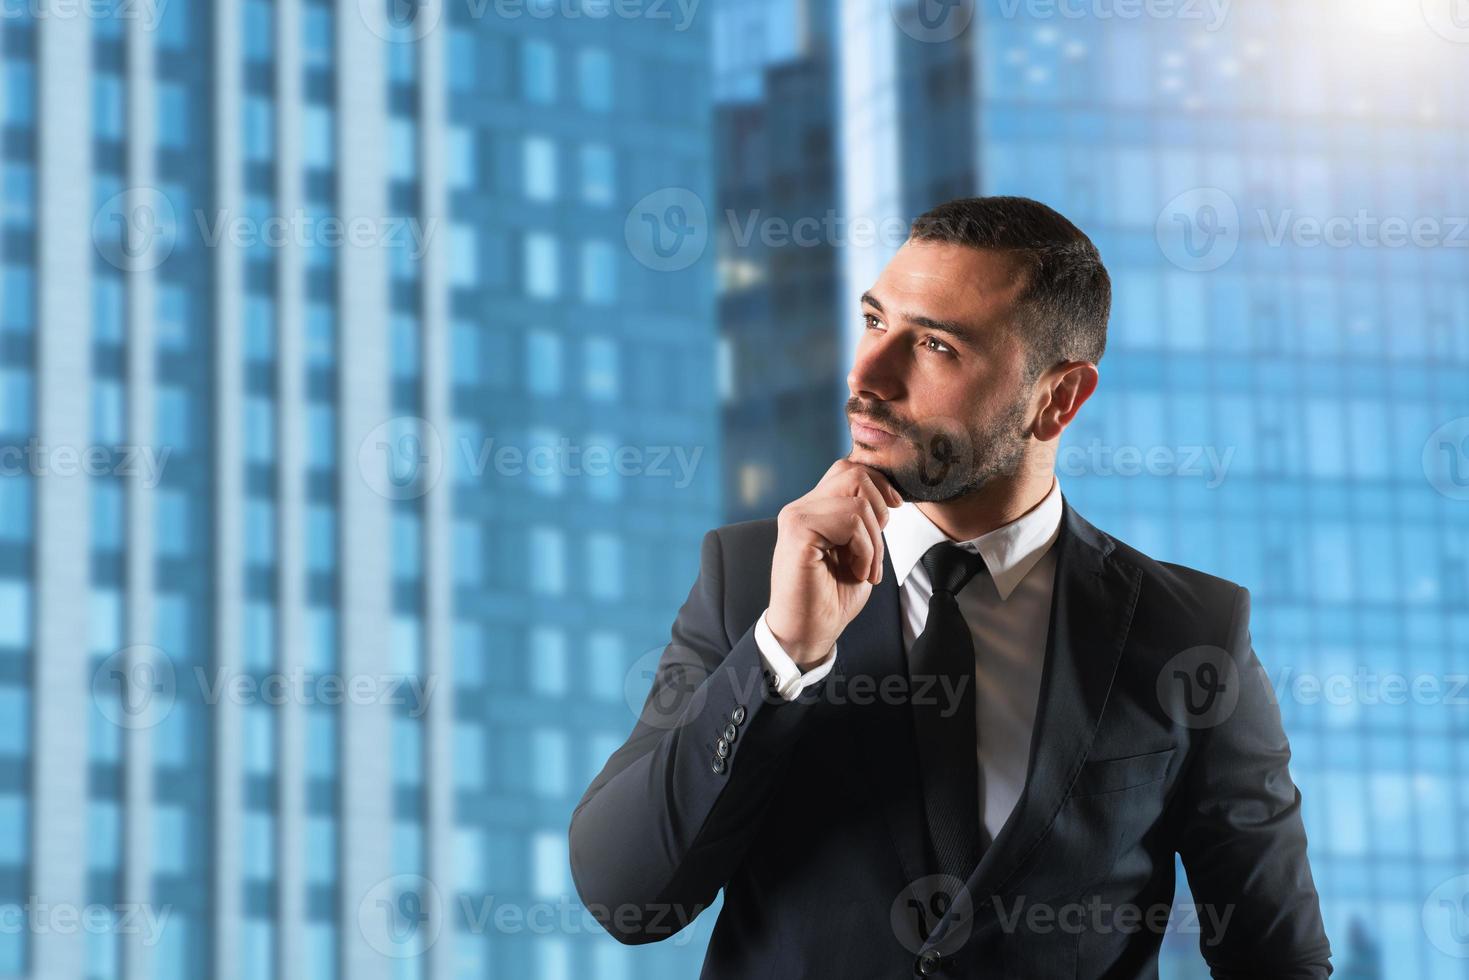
(721, 748)
(738, 715)
(930, 962)
(730, 731)
(719, 766)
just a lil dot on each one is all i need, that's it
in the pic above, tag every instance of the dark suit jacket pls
(1156, 733)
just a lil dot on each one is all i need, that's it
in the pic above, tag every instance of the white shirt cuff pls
(789, 681)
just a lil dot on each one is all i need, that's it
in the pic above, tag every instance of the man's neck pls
(999, 502)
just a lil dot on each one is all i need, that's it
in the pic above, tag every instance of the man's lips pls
(870, 433)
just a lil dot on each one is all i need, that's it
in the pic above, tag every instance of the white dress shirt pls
(1008, 613)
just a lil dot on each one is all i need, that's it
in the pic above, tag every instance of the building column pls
(64, 256)
(229, 557)
(291, 497)
(363, 405)
(140, 612)
(438, 503)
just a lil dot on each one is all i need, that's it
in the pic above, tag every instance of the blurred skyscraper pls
(779, 274)
(356, 447)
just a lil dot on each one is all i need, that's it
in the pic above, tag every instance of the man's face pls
(940, 402)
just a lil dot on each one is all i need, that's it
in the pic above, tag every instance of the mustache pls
(876, 413)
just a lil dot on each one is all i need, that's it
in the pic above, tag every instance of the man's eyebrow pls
(949, 327)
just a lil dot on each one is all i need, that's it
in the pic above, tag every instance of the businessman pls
(929, 721)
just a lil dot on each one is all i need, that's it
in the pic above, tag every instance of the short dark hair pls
(1067, 296)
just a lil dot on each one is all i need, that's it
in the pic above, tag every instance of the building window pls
(594, 75)
(604, 565)
(598, 273)
(463, 158)
(539, 166)
(547, 561)
(402, 147)
(463, 256)
(543, 362)
(542, 278)
(600, 368)
(319, 151)
(548, 661)
(598, 177)
(538, 68)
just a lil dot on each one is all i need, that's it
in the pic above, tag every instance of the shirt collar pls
(1009, 551)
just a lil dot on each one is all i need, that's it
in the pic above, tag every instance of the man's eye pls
(870, 322)
(936, 345)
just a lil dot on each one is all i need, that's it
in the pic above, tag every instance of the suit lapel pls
(1091, 612)
(871, 647)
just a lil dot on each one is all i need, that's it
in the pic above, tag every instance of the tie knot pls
(950, 567)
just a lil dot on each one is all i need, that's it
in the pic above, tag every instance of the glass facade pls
(17, 488)
(300, 732)
(560, 338)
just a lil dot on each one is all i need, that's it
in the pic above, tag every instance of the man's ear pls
(1061, 392)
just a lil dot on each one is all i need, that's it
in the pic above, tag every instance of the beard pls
(951, 459)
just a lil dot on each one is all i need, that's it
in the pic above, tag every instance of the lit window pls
(598, 273)
(597, 174)
(547, 561)
(543, 362)
(542, 279)
(600, 368)
(539, 163)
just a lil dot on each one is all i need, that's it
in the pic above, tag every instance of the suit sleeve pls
(1242, 841)
(668, 820)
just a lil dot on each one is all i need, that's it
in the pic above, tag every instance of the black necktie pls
(944, 714)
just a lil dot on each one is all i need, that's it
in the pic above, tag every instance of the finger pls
(874, 513)
(860, 549)
(833, 473)
(874, 530)
(867, 489)
(845, 524)
(884, 486)
(862, 506)
(854, 481)
(865, 486)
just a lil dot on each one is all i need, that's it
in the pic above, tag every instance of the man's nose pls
(875, 371)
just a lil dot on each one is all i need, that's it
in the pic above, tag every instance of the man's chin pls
(882, 461)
